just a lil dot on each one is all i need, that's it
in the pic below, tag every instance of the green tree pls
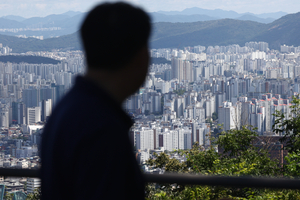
(289, 126)
(179, 91)
(163, 161)
(215, 116)
(8, 196)
(238, 156)
(208, 120)
(36, 195)
(292, 166)
(238, 146)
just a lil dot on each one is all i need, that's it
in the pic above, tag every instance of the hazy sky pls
(30, 8)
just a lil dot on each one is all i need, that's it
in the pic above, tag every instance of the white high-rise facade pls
(227, 116)
(185, 139)
(33, 183)
(182, 69)
(46, 109)
(33, 115)
(4, 117)
(177, 139)
(144, 138)
(168, 141)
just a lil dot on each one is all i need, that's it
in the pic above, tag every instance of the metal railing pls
(187, 179)
(227, 181)
(20, 172)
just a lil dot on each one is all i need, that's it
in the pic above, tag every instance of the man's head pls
(112, 34)
(115, 39)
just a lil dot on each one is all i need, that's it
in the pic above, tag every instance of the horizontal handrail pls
(33, 173)
(189, 179)
(227, 181)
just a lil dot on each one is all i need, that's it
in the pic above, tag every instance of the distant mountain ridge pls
(285, 30)
(198, 14)
(221, 14)
(158, 17)
(248, 17)
(14, 17)
(50, 26)
(67, 23)
(22, 45)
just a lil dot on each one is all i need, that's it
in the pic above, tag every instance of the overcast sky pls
(41, 8)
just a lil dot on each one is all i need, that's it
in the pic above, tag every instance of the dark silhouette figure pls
(86, 152)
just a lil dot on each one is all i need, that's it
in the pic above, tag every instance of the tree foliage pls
(289, 126)
(36, 195)
(215, 116)
(28, 59)
(159, 61)
(8, 196)
(179, 91)
(237, 156)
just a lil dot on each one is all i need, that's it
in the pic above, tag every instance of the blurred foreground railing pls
(227, 181)
(186, 179)
(20, 172)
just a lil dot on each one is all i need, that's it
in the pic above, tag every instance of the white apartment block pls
(33, 115)
(168, 140)
(33, 183)
(227, 116)
(144, 138)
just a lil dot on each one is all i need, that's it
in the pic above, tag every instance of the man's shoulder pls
(84, 99)
(87, 105)
(78, 115)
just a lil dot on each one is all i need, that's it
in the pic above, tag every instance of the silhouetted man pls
(86, 152)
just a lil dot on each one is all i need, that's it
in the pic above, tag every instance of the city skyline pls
(42, 8)
(182, 102)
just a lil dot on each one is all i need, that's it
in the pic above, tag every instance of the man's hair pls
(112, 34)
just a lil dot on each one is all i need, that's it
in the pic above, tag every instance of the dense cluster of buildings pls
(181, 102)
(28, 93)
(202, 87)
